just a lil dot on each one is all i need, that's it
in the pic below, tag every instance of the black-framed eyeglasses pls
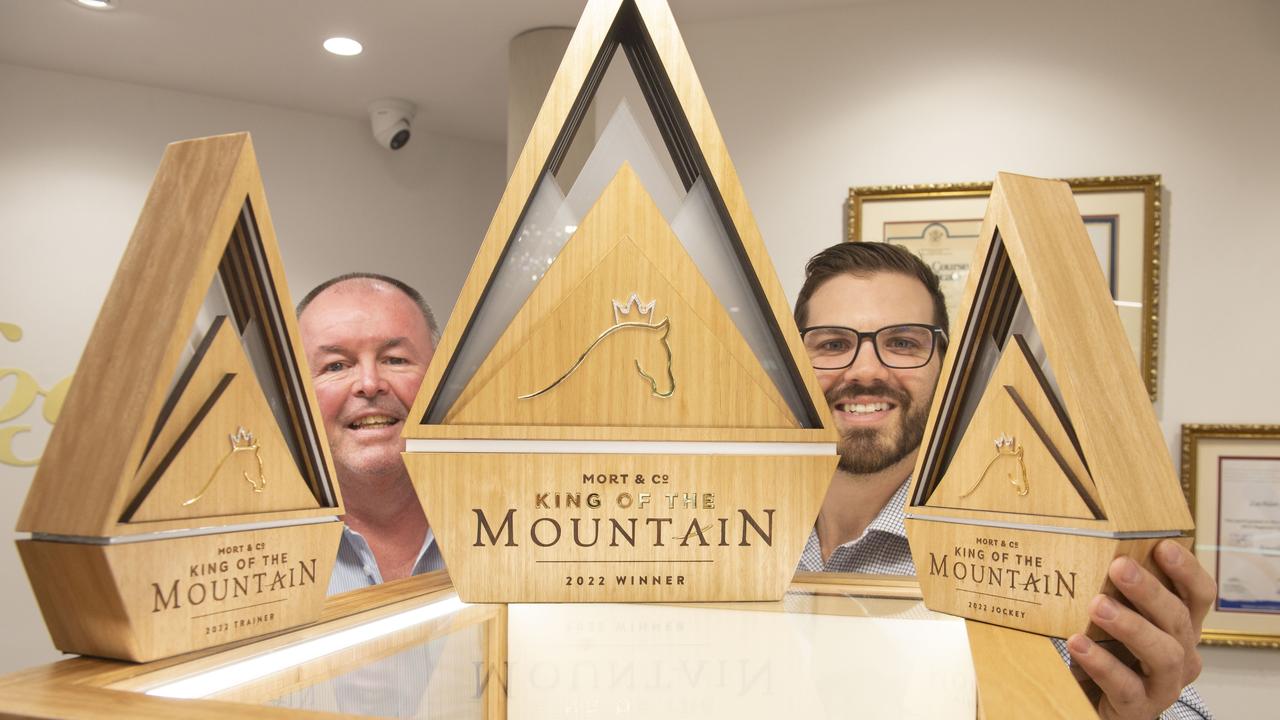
(902, 347)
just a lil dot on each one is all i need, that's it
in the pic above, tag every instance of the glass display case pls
(834, 646)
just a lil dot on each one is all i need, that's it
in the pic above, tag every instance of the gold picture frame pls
(1245, 461)
(1108, 204)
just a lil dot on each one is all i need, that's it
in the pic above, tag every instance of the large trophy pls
(186, 497)
(1043, 459)
(620, 407)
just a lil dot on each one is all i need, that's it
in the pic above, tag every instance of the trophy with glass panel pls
(1043, 459)
(186, 497)
(620, 407)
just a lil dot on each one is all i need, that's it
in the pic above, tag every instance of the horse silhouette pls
(661, 331)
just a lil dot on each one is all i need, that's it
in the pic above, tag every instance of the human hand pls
(1160, 633)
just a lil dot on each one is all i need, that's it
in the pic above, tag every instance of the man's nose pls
(866, 364)
(369, 380)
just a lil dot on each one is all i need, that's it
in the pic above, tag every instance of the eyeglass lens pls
(899, 346)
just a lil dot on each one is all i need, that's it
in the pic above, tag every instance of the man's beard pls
(869, 450)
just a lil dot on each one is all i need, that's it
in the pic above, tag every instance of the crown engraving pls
(1006, 448)
(644, 311)
(623, 321)
(242, 440)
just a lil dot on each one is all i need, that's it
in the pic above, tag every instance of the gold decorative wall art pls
(25, 392)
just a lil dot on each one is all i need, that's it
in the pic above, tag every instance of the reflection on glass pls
(442, 678)
(828, 652)
(808, 656)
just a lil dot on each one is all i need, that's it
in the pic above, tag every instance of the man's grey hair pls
(403, 287)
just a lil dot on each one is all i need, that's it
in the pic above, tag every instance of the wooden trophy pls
(186, 497)
(626, 414)
(1044, 460)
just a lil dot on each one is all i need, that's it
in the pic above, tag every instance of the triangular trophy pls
(188, 480)
(1043, 458)
(622, 389)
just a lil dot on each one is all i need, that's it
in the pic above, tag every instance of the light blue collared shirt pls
(356, 566)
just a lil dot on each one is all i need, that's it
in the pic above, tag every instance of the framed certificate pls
(1231, 475)
(940, 224)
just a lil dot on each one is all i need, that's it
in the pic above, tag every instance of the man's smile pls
(373, 421)
(863, 408)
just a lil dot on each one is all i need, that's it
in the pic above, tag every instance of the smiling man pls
(368, 340)
(873, 321)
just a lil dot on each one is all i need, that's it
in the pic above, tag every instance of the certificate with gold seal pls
(946, 246)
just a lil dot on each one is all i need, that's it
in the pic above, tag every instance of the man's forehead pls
(361, 310)
(362, 286)
(359, 293)
(869, 302)
(380, 343)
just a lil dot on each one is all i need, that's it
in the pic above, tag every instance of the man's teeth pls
(864, 408)
(374, 421)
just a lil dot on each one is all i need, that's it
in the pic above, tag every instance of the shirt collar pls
(357, 540)
(889, 520)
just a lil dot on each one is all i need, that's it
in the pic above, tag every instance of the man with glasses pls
(874, 323)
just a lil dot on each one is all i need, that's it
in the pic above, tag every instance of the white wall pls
(924, 92)
(77, 156)
(810, 104)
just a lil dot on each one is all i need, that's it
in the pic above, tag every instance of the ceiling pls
(448, 56)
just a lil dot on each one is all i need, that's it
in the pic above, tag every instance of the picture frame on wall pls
(940, 223)
(1231, 477)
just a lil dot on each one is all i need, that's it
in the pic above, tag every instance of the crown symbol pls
(242, 440)
(1004, 441)
(644, 311)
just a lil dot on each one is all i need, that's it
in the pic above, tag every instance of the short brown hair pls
(432, 328)
(862, 259)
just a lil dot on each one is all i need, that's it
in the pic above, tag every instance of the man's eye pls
(334, 367)
(397, 361)
(905, 346)
(834, 346)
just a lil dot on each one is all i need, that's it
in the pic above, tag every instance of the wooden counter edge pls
(77, 686)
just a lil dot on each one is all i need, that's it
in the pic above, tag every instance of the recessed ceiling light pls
(343, 46)
(95, 4)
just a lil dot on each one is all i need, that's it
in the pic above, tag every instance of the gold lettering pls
(7, 455)
(21, 398)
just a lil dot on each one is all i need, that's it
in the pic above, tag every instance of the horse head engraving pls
(643, 324)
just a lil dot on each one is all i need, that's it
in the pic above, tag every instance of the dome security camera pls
(390, 118)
